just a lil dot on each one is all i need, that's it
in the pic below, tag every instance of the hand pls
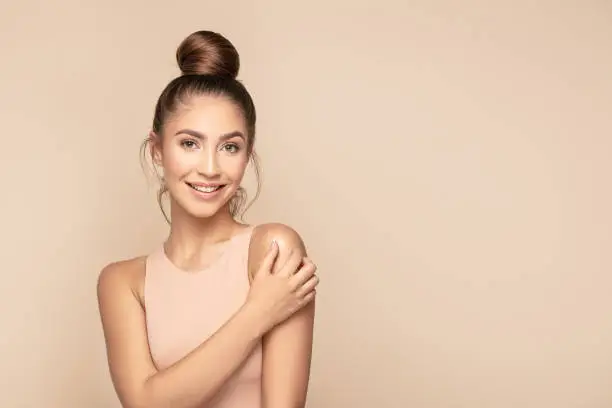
(275, 296)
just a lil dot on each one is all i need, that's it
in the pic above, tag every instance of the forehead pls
(211, 115)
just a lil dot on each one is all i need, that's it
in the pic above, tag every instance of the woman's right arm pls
(190, 381)
(197, 377)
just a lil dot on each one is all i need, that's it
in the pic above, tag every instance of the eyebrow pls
(202, 136)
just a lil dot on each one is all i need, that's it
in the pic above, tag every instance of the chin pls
(203, 213)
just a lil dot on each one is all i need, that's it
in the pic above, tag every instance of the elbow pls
(142, 397)
(151, 395)
(147, 397)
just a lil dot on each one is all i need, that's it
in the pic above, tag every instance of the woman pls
(221, 314)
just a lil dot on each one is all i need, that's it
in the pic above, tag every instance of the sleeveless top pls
(183, 309)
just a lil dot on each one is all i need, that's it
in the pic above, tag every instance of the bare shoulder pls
(122, 276)
(287, 238)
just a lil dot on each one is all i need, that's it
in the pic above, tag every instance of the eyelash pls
(190, 144)
(186, 143)
(234, 145)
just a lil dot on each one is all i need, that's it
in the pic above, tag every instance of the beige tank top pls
(183, 309)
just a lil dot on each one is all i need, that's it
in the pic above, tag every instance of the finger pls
(308, 298)
(306, 272)
(292, 264)
(308, 287)
(268, 262)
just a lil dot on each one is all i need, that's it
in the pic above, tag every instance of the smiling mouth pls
(206, 189)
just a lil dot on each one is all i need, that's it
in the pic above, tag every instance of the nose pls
(209, 166)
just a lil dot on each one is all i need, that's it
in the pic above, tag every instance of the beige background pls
(448, 164)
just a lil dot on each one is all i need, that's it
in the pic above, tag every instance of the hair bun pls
(208, 53)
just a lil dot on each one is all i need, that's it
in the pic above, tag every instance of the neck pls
(190, 234)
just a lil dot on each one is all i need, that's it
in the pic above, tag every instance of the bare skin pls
(287, 348)
(279, 310)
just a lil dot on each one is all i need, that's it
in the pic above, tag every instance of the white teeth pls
(206, 189)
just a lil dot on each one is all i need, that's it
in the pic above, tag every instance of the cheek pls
(176, 162)
(234, 167)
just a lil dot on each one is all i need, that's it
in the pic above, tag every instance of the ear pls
(155, 146)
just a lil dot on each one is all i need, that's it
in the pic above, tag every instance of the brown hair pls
(209, 65)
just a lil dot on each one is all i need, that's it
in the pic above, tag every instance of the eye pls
(231, 148)
(188, 144)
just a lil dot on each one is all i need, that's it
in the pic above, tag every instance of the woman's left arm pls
(287, 348)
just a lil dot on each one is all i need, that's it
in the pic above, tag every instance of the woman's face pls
(204, 154)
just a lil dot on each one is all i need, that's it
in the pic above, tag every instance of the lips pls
(206, 188)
